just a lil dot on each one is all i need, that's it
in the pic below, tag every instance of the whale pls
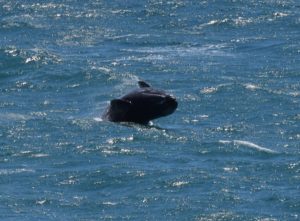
(141, 105)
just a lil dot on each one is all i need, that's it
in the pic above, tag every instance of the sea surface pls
(231, 151)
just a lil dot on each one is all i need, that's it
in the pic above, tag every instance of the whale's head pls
(142, 105)
(166, 105)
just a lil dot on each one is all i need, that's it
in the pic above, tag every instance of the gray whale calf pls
(141, 105)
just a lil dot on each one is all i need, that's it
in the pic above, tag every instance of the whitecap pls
(214, 89)
(208, 90)
(102, 69)
(140, 173)
(280, 14)
(147, 58)
(120, 11)
(38, 6)
(240, 21)
(248, 144)
(39, 155)
(295, 94)
(109, 152)
(73, 85)
(122, 151)
(179, 183)
(125, 151)
(251, 87)
(33, 55)
(253, 146)
(32, 59)
(98, 119)
(119, 139)
(38, 114)
(224, 141)
(12, 51)
(230, 169)
(108, 203)
(41, 202)
(212, 23)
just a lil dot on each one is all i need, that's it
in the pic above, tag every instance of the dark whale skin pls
(141, 105)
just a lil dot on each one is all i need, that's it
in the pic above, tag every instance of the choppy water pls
(230, 151)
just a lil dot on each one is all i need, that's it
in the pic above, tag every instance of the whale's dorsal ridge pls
(143, 84)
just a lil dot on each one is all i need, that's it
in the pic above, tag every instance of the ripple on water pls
(16, 171)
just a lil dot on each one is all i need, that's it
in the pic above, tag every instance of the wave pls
(12, 56)
(183, 49)
(239, 21)
(13, 117)
(174, 52)
(243, 21)
(211, 90)
(249, 144)
(252, 87)
(15, 171)
(26, 21)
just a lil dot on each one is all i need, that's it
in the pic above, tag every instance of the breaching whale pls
(141, 105)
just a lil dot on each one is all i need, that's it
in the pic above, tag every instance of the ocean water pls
(231, 151)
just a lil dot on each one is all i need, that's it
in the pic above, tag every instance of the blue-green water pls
(229, 152)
